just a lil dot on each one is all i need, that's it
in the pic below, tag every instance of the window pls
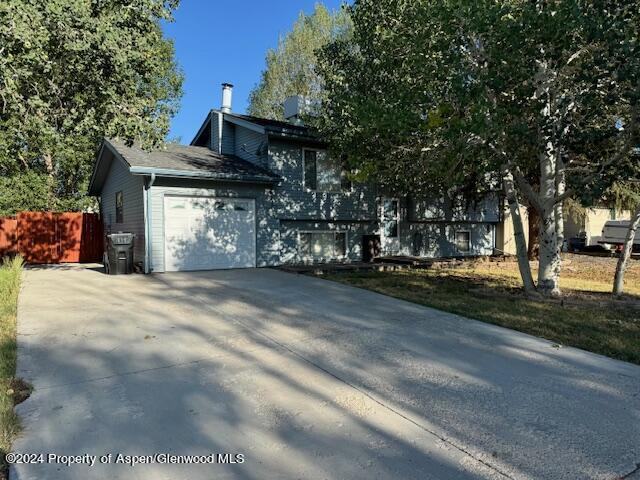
(390, 218)
(322, 173)
(463, 241)
(323, 245)
(119, 207)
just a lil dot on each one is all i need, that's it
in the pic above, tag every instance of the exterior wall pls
(505, 237)
(592, 223)
(267, 225)
(119, 179)
(301, 210)
(445, 209)
(295, 202)
(291, 230)
(250, 146)
(228, 134)
(430, 226)
(438, 239)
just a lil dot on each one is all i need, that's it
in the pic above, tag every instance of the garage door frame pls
(211, 197)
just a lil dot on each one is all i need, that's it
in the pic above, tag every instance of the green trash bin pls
(119, 254)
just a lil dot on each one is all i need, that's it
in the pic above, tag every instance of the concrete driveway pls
(306, 379)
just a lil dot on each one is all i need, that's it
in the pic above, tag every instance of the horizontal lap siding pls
(267, 226)
(299, 209)
(119, 179)
(289, 237)
(296, 202)
(250, 146)
(431, 225)
(438, 239)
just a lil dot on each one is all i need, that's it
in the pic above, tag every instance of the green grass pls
(585, 319)
(10, 388)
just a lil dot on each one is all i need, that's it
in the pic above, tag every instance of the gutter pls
(202, 175)
(147, 222)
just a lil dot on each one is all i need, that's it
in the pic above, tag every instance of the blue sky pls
(226, 41)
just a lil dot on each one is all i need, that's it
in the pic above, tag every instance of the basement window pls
(119, 207)
(463, 241)
(323, 245)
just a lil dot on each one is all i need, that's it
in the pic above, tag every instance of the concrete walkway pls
(306, 379)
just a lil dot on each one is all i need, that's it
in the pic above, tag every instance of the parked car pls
(614, 234)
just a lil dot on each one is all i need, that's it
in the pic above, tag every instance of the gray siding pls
(437, 239)
(303, 210)
(119, 179)
(228, 134)
(267, 225)
(429, 226)
(251, 146)
(290, 232)
(295, 202)
(445, 209)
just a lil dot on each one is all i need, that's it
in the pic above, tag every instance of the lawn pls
(11, 390)
(586, 316)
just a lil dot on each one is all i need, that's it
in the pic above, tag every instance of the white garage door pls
(204, 233)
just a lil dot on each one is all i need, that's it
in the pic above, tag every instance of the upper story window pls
(119, 207)
(322, 173)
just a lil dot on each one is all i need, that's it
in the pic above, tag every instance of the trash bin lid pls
(120, 238)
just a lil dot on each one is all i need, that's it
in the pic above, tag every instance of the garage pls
(208, 233)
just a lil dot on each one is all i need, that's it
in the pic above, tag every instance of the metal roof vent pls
(297, 106)
(227, 90)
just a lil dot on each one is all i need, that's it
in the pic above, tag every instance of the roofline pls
(282, 133)
(167, 172)
(95, 167)
(230, 117)
(105, 143)
(201, 129)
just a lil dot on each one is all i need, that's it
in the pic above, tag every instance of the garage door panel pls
(209, 233)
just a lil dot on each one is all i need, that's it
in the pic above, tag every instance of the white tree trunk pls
(618, 282)
(559, 211)
(518, 232)
(549, 262)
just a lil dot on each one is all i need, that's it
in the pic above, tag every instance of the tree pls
(72, 72)
(290, 67)
(627, 195)
(430, 96)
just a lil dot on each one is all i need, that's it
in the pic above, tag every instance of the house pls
(256, 192)
(588, 225)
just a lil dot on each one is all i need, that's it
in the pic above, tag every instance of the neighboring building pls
(505, 235)
(589, 225)
(254, 192)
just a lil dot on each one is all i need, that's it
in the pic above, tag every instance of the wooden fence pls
(48, 237)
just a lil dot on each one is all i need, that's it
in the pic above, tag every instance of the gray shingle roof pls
(191, 161)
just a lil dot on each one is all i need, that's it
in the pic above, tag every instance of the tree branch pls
(528, 191)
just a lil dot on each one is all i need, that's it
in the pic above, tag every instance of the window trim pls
(119, 217)
(304, 174)
(455, 239)
(334, 232)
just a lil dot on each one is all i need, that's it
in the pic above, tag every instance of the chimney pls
(293, 108)
(297, 106)
(227, 89)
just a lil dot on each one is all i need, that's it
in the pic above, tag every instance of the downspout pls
(147, 223)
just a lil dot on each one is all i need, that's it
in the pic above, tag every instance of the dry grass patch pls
(12, 390)
(585, 317)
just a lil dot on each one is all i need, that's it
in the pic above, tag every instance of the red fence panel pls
(47, 237)
(37, 232)
(8, 244)
(92, 240)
